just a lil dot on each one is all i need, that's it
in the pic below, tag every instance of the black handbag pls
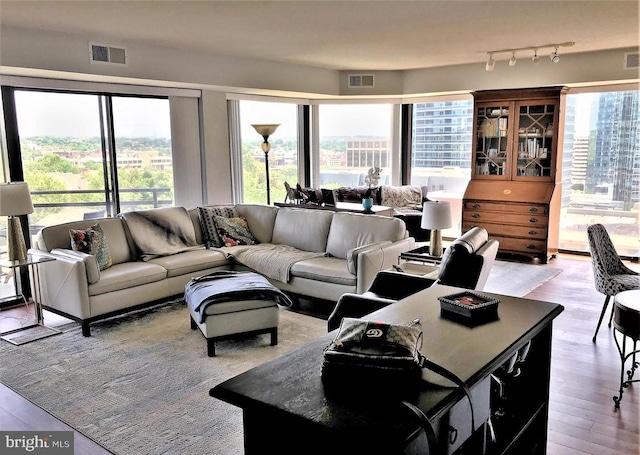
(374, 360)
(368, 356)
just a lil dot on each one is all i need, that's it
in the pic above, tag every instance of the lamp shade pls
(15, 199)
(266, 129)
(436, 215)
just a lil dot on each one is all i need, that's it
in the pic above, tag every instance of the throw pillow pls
(208, 226)
(92, 241)
(234, 231)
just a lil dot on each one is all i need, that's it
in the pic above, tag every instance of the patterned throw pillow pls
(92, 241)
(234, 231)
(208, 226)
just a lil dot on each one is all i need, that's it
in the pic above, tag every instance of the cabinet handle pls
(475, 215)
(475, 206)
(531, 247)
(533, 209)
(533, 220)
(533, 232)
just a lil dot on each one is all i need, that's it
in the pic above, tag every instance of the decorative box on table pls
(469, 307)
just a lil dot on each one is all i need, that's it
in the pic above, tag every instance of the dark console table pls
(286, 409)
(341, 207)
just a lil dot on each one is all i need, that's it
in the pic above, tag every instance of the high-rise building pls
(579, 161)
(442, 134)
(616, 157)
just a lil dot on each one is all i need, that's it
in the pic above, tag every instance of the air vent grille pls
(361, 80)
(107, 54)
(631, 60)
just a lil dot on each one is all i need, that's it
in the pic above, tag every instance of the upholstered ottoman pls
(227, 303)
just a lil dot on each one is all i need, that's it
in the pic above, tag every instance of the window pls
(441, 155)
(283, 157)
(601, 169)
(353, 138)
(78, 167)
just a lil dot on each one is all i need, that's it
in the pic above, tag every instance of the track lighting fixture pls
(535, 59)
(491, 63)
(554, 57)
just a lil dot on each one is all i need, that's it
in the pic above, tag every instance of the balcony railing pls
(155, 200)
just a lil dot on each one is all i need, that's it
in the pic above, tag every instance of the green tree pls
(41, 181)
(51, 163)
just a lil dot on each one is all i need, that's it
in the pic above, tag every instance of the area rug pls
(517, 279)
(140, 385)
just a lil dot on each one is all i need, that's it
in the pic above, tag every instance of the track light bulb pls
(555, 58)
(513, 60)
(535, 59)
(491, 63)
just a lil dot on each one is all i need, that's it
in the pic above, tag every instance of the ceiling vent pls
(631, 60)
(361, 81)
(107, 54)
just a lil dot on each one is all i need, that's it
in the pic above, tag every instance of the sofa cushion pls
(210, 236)
(352, 230)
(304, 229)
(190, 261)
(326, 269)
(234, 231)
(260, 219)
(126, 276)
(92, 241)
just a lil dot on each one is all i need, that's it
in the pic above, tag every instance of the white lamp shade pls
(15, 199)
(436, 215)
(266, 129)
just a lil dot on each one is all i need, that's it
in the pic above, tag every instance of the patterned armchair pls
(610, 274)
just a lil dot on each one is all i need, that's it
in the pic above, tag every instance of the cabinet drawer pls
(521, 245)
(510, 218)
(528, 232)
(530, 209)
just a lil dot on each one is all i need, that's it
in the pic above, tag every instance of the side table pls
(626, 321)
(42, 331)
(420, 254)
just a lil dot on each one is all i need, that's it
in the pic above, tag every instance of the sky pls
(77, 115)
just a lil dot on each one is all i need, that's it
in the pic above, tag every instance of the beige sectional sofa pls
(351, 249)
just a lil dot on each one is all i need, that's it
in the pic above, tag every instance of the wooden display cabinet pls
(515, 185)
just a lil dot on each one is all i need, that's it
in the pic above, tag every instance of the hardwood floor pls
(584, 375)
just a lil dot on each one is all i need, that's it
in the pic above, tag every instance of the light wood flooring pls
(584, 375)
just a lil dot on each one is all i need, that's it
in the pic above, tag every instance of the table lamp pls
(436, 215)
(15, 200)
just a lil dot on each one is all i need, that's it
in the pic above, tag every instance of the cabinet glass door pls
(492, 141)
(535, 144)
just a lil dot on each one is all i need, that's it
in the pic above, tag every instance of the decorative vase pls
(367, 203)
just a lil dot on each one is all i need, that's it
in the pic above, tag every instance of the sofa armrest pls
(63, 284)
(377, 258)
(90, 262)
(352, 254)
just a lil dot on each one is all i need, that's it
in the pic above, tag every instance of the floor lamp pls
(15, 200)
(266, 130)
(436, 215)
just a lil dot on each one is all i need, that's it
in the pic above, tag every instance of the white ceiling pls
(360, 35)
